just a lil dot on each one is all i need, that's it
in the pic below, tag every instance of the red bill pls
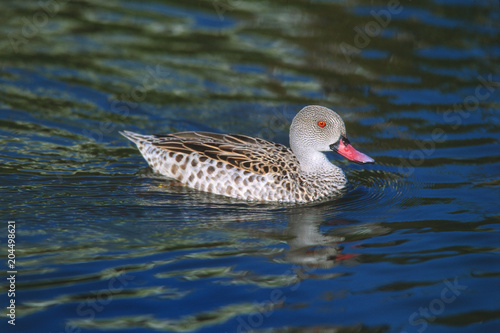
(344, 148)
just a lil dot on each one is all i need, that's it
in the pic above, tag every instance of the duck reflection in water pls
(308, 245)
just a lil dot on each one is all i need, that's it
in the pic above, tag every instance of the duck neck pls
(314, 161)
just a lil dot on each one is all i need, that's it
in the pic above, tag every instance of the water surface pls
(105, 245)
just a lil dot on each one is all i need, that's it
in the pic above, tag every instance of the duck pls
(254, 169)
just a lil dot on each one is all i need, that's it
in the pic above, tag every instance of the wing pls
(241, 151)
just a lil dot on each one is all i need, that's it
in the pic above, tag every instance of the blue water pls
(105, 245)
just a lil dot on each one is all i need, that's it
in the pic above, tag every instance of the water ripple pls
(371, 188)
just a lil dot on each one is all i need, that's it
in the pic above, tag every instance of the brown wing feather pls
(215, 137)
(241, 151)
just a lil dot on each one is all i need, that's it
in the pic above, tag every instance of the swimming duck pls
(254, 169)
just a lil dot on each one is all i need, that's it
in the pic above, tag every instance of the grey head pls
(316, 129)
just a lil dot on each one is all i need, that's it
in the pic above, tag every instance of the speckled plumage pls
(247, 168)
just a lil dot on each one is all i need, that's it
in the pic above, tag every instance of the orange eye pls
(321, 123)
